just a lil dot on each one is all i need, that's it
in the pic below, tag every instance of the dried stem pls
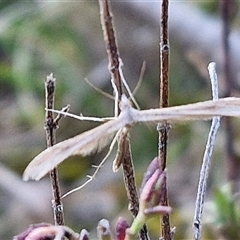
(226, 7)
(202, 184)
(50, 127)
(232, 162)
(163, 127)
(164, 55)
(111, 45)
(115, 68)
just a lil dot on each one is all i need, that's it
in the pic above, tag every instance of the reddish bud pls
(121, 227)
(152, 167)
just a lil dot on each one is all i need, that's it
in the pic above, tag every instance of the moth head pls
(125, 103)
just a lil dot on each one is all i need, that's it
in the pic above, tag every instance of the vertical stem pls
(225, 11)
(226, 7)
(50, 127)
(111, 45)
(114, 69)
(202, 183)
(163, 127)
(164, 56)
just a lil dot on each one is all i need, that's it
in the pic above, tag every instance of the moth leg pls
(123, 142)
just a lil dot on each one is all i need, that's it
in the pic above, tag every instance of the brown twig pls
(231, 160)
(226, 7)
(163, 127)
(50, 127)
(114, 69)
(111, 45)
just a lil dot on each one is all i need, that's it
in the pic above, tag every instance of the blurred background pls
(65, 38)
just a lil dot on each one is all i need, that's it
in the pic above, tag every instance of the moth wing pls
(95, 145)
(229, 107)
(83, 143)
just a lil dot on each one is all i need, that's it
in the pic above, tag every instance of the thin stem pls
(50, 127)
(163, 127)
(164, 56)
(115, 71)
(111, 45)
(197, 225)
(232, 163)
(226, 6)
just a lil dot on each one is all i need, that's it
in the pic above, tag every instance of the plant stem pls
(50, 127)
(114, 69)
(232, 161)
(202, 183)
(163, 127)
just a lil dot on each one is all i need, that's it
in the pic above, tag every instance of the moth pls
(86, 142)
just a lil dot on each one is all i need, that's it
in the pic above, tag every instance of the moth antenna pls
(140, 79)
(81, 117)
(115, 98)
(126, 85)
(98, 89)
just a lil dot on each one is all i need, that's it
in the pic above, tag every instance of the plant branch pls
(202, 184)
(232, 162)
(111, 45)
(114, 69)
(163, 127)
(50, 127)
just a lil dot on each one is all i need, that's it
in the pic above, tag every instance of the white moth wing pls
(95, 145)
(229, 107)
(51, 157)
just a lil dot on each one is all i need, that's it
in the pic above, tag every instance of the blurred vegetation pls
(40, 37)
(223, 213)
